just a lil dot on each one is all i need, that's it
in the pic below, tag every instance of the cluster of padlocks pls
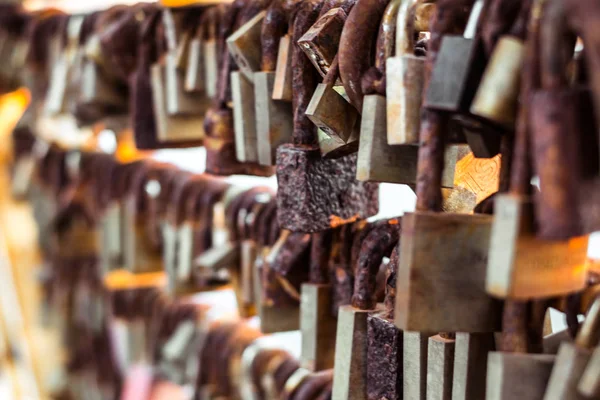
(485, 108)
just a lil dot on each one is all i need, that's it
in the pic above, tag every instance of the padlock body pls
(245, 46)
(498, 94)
(456, 75)
(384, 359)
(440, 367)
(244, 118)
(320, 42)
(331, 113)
(441, 274)
(316, 194)
(405, 80)
(521, 266)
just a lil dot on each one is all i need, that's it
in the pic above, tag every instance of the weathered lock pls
(385, 344)
(310, 386)
(274, 118)
(330, 111)
(572, 358)
(320, 42)
(513, 373)
(301, 169)
(559, 266)
(245, 46)
(502, 76)
(558, 112)
(405, 82)
(254, 366)
(317, 324)
(463, 58)
(350, 370)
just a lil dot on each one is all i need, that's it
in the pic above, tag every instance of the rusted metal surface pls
(379, 243)
(275, 25)
(320, 253)
(356, 46)
(313, 385)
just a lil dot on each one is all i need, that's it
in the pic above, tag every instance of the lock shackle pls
(405, 43)
(274, 26)
(179, 189)
(519, 27)
(182, 197)
(207, 28)
(373, 80)
(390, 287)
(379, 243)
(241, 205)
(589, 333)
(522, 326)
(356, 50)
(320, 254)
(556, 44)
(189, 204)
(304, 76)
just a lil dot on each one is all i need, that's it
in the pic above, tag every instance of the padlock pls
(558, 108)
(317, 325)
(329, 111)
(245, 46)
(405, 82)
(274, 118)
(255, 364)
(385, 344)
(244, 118)
(512, 373)
(350, 371)
(300, 166)
(573, 358)
(464, 56)
(311, 386)
(504, 72)
(510, 271)
(320, 42)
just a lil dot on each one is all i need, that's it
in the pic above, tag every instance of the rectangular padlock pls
(331, 113)
(245, 46)
(557, 268)
(438, 251)
(320, 42)
(274, 118)
(317, 326)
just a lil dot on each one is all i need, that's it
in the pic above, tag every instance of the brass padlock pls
(320, 42)
(350, 371)
(245, 46)
(510, 272)
(503, 76)
(405, 81)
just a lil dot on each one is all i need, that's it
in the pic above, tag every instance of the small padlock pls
(320, 42)
(405, 81)
(503, 72)
(244, 118)
(245, 46)
(350, 370)
(464, 56)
